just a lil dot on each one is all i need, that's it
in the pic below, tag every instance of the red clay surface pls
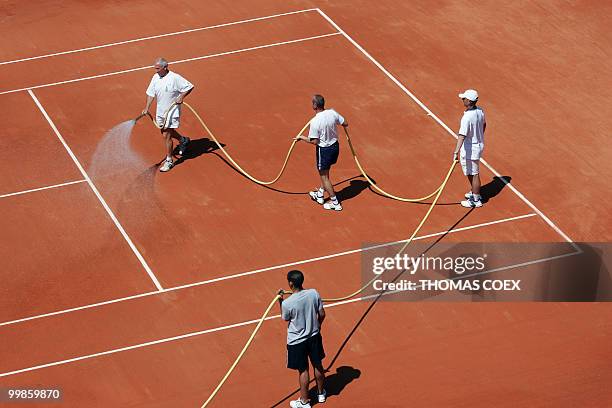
(204, 221)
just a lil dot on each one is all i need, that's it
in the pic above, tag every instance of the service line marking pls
(125, 71)
(42, 188)
(193, 30)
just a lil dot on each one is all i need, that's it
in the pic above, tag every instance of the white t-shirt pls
(323, 127)
(472, 127)
(165, 90)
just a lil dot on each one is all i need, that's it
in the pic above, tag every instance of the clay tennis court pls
(140, 288)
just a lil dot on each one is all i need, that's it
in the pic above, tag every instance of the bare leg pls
(175, 134)
(326, 183)
(304, 378)
(474, 183)
(319, 374)
(168, 135)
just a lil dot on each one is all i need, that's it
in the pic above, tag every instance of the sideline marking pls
(41, 188)
(97, 193)
(156, 36)
(206, 282)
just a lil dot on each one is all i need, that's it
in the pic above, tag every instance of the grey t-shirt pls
(301, 310)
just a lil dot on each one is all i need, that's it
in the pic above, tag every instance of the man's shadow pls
(352, 190)
(335, 383)
(487, 191)
(494, 187)
(196, 148)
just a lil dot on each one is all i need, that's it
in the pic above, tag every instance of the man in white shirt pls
(470, 145)
(168, 87)
(324, 134)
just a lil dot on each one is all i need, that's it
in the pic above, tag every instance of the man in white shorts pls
(168, 87)
(324, 134)
(470, 145)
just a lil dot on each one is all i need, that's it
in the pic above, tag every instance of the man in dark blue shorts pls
(324, 134)
(303, 309)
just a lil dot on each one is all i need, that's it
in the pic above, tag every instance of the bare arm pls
(281, 294)
(148, 104)
(307, 140)
(460, 139)
(179, 99)
(321, 316)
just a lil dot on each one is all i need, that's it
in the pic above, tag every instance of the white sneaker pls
(331, 206)
(468, 195)
(322, 397)
(168, 164)
(316, 197)
(299, 404)
(471, 203)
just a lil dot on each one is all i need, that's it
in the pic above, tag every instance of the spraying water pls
(114, 154)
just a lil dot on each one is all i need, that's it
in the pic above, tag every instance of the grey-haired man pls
(168, 87)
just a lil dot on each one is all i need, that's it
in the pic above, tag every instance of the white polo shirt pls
(323, 127)
(165, 90)
(472, 127)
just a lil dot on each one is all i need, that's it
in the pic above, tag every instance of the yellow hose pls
(234, 162)
(289, 152)
(415, 232)
(229, 157)
(437, 192)
(374, 186)
(244, 349)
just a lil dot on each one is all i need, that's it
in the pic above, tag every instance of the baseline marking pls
(96, 192)
(193, 30)
(249, 322)
(431, 114)
(205, 282)
(41, 188)
(172, 62)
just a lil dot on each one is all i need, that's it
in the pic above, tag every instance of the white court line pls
(238, 275)
(96, 192)
(248, 322)
(431, 114)
(172, 62)
(193, 30)
(42, 188)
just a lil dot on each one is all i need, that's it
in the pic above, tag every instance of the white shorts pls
(470, 167)
(173, 123)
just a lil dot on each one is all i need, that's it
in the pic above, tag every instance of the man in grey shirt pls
(304, 312)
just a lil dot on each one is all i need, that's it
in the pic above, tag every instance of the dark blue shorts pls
(298, 354)
(326, 156)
